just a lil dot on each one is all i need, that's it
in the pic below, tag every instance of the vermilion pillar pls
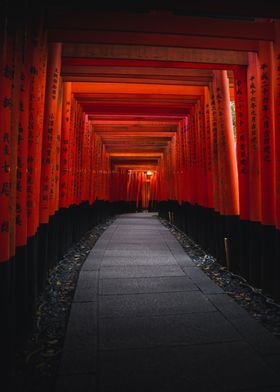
(21, 186)
(16, 63)
(267, 134)
(277, 119)
(254, 108)
(214, 148)
(57, 153)
(38, 71)
(241, 110)
(6, 77)
(208, 148)
(65, 147)
(52, 93)
(226, 149)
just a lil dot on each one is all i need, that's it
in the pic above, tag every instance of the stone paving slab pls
(80, 346)
(137, 252)
(92, 262)
(235, 365)
(140, 271)
(139, 222)
(230, 367)
(273, 361)
(97, 252)
(141, 227)
(140, 246)
(183, 260)
(163, 370)
(205, 284)
(183, 329)
(146, 305)
(145, 285)
(177, 249)
(76, 382)
(87, 287)
(103, 244)
(140, 238)
(145, 317)
(112, 261)
(252, 331)
(136, 240)
(265, 389)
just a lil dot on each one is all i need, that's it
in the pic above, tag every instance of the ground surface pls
(38, 360)
(145, 306)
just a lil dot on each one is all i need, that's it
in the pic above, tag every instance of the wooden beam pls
(95, 69)
(159, 22)
(152, 39)
(79, 87)
(134, 97)
(138, 111)
(135, 154)
(127, 123)
(132, 133)
(124, 79)
(136, 119)
(144, 63)
(141, 52)
(135, 166)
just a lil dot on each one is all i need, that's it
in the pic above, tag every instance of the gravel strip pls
(37, 363)
(260, 306)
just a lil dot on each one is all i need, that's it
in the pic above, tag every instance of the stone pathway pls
(145, 317)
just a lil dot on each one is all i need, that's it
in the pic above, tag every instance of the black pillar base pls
(7, 317)
(268, 254)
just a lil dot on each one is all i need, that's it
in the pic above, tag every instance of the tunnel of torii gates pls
(103, 114)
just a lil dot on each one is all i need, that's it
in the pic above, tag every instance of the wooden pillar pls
(267, 165)
(267, 134)
(227, 156)
(277, 119)
(241, 110)
(52, 92)
(21, 202)
(64, 183)
(254, 111)
(276, 288)
(228, 176)
(208, 148)
(6, 78)
(36, 127)
(215, 151)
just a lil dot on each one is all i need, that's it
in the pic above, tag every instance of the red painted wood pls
(49, 133)
(241, 110)
(6, 77)
(254, 85)
(267, 135)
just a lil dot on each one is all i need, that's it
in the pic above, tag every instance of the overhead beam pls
(135, 154)
(136, 111)
(137, 119)
(141, 63)
(146, 80)
(121, 134)
(140, 166)
(80, 87)
(136, 96)
(159, 22)
(142, 52)
(114, 70)
(153, 39)
(126, 120)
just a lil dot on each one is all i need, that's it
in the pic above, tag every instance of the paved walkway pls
(144, 317)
